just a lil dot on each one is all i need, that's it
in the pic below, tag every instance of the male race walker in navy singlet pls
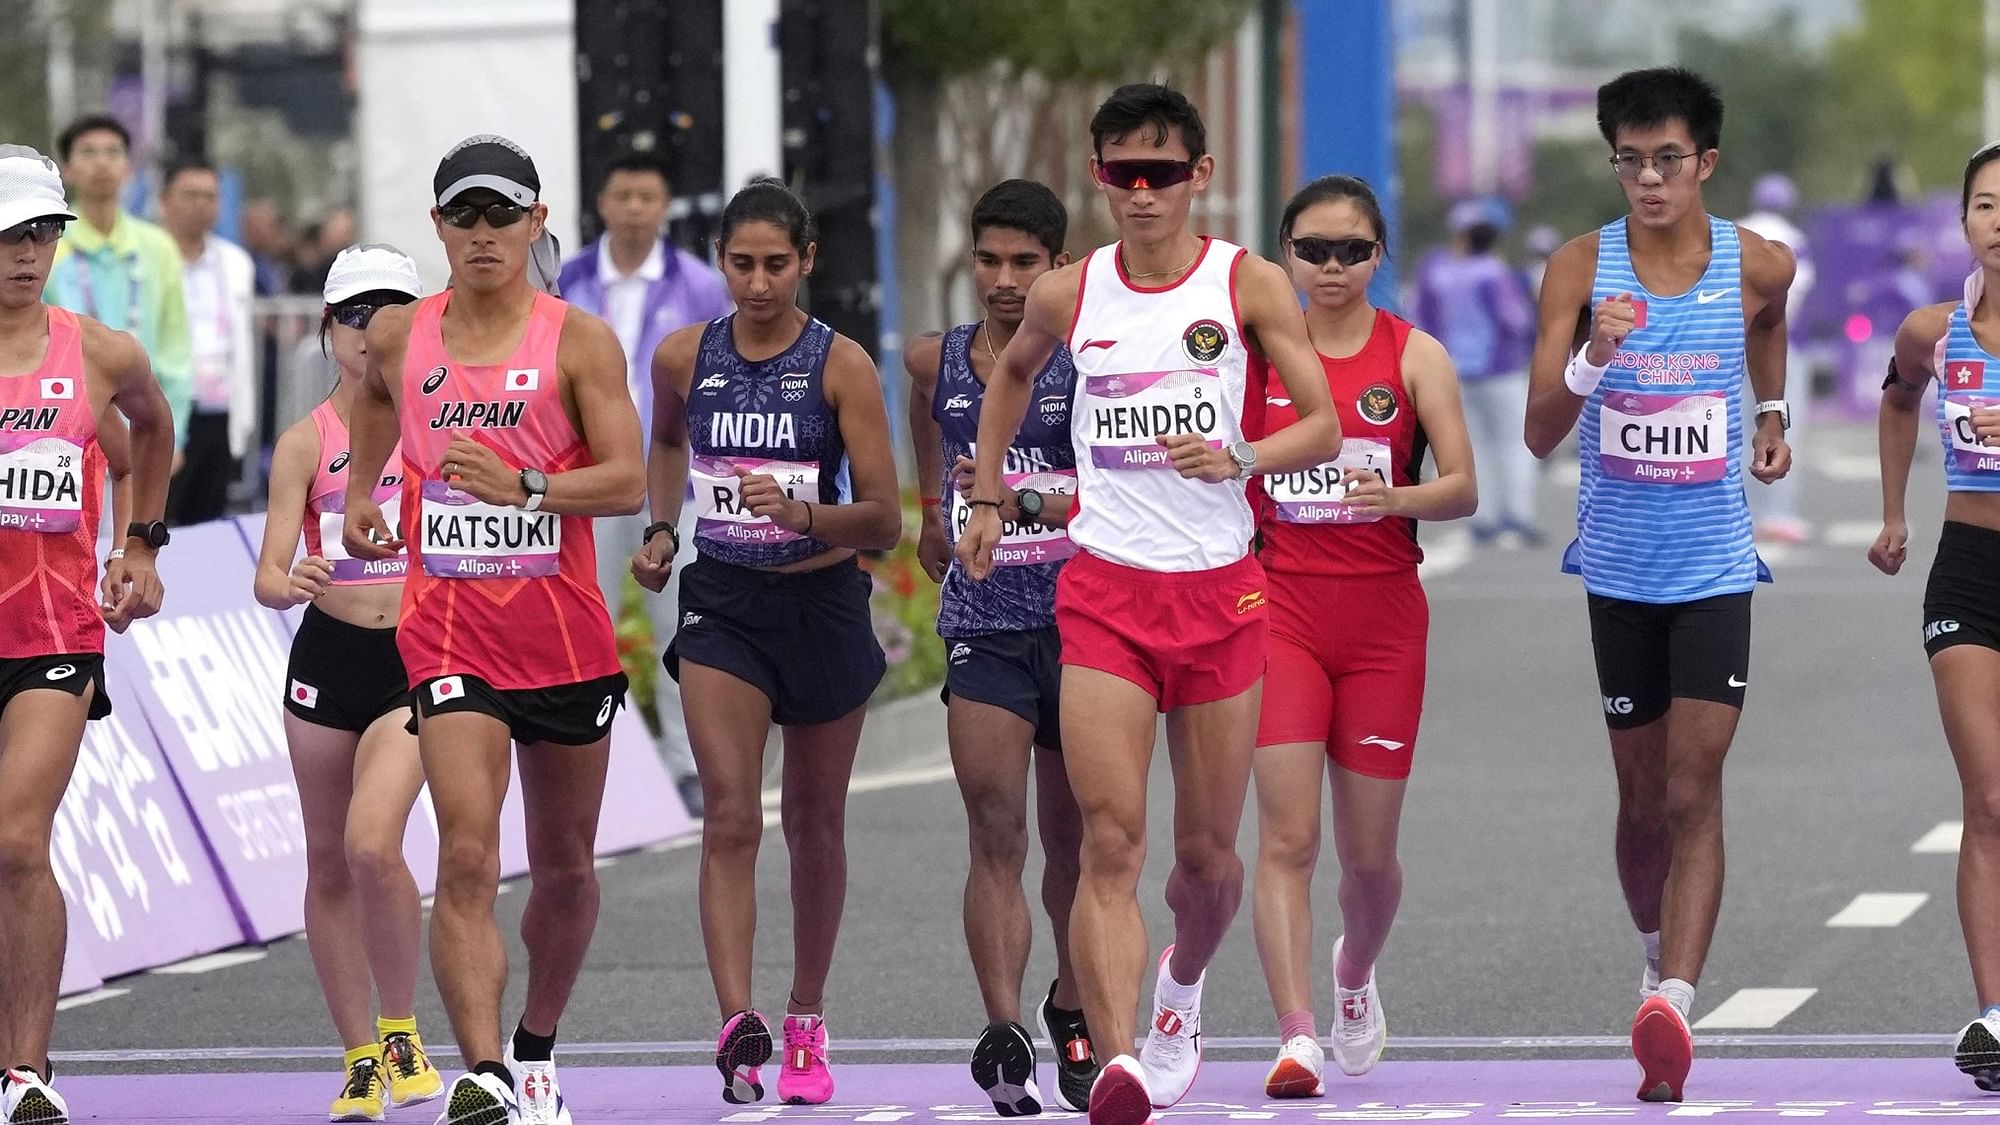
(1681, 306)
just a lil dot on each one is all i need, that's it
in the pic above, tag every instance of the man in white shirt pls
(646, 288)
(1775, 200)
(219, 280)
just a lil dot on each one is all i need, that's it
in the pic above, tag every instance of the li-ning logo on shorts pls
(1936, 629)
(1389, 744)
(1378, 404)
(960, 654)
(604, 712)
(1252, 600)
(337, 464)
(1618, 705)
(1204, 341)
(61, 672)
(435, 379)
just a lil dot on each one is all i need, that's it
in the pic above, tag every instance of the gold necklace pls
(986, 334)
(1182, 268)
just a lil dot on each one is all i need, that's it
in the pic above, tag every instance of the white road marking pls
(82, 998)
(1942, 840)
(228, 958)
(1755, 1008)
(1879, 909)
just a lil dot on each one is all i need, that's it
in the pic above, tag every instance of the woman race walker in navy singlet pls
(774, 428)
(1957, 346)
(346, 703)
(1344, 679)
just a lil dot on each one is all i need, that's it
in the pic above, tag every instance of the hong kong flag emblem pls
(1965, 375)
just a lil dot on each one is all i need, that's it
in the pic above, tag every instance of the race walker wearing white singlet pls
(1151, 362)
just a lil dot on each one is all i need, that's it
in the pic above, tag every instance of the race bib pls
(41, 487)
(1967, 454)
(1317, 495)
(1663, 439)
(717, 494)
(463, 537)
(346, 568)
(1024, 544)
(1126, 414)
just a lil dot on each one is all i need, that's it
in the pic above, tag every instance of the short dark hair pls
(1641, 99)
(91, 123)
(1025, 206)
(767, 199)
(1327, 189)
(1148, 104)
(641, 162)
(1979, 160)
(182, 166)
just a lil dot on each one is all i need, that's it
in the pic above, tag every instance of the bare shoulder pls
(588, 331)
(108, 349)
(1052, 298)
(847, 356)
(1574, 260)
(1925, 326)
(1768, 266)
(677, 351)
(299, 441)
(1424, 353)
(922, 355)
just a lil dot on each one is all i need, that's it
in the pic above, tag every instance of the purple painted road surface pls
(1823, 1089)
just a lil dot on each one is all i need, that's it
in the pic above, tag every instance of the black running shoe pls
(1978, 1053)
(1076, 1062)
(1003, 1063)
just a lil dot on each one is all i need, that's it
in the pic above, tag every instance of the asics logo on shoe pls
(1618, 705)
(1384, 743)
(1169, 1022)
(1937, 629)
(62, 672)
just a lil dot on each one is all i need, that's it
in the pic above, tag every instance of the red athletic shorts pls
(1347, 669)
(1187, 637)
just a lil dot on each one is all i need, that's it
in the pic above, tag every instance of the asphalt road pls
(1512, 927)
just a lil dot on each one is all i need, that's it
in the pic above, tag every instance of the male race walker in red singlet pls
(1162, 611)
(516, 430)
(61, 375)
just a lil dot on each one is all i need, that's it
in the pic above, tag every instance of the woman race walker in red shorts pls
(1344, 680)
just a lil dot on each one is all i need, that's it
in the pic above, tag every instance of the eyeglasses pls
(1318, 251)
(499, 213)
(357, 316)
(1152, 175)
(41, 231)
(1667, 164)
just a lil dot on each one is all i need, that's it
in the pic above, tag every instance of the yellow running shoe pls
(412, 1078)
(361, 1098)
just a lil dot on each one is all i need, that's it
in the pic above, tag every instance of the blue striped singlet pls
(1962, 371)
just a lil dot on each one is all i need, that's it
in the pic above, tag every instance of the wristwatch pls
(653, 529)
(153, 534)
(1031, 504)
(1245, 456)
(1779, 407)
(535, 483)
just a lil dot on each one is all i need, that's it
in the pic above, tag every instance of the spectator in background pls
(1541, 242)
(219, 280)
(269, 241)
(118, 269)
(646, 288)
(1773, 200)
(1477, 305)
(316, 252)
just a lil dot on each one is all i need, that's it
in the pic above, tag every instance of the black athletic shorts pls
(344, 676)
(70, 672)
(1962, 598)
(566, 714)
(806, 639)
(1649, 655)
(1018, 672)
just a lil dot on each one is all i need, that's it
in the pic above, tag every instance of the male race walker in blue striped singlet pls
(1648, 329)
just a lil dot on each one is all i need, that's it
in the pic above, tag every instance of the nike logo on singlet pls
(478, 415)
(1705, 297)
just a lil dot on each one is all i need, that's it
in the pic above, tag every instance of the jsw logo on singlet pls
(478, 415)
(29, 418)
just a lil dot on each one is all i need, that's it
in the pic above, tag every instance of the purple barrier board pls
(209, 674)
(139, 884)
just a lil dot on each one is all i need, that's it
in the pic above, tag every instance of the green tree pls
(1903, 84)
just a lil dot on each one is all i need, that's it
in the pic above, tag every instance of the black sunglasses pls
(357, 316)
(1347, 251)
(42, 231)
(1130, 175)
(499, 213)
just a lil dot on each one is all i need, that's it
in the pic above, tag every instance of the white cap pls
(30, 188)
(365, 269)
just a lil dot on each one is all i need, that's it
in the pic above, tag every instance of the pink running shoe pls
(805, 1079)
(743, 1046)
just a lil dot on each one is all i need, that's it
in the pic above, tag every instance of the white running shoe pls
(535, 1084)
(1296, 1074)
(27, 1100)
(1359, 1029)
(479, 1099)
(1171, 1054)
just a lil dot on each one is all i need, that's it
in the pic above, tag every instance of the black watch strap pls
(653, 529)
(153, 534)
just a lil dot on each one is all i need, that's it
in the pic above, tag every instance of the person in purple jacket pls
(646, 288)
(1477, 305)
